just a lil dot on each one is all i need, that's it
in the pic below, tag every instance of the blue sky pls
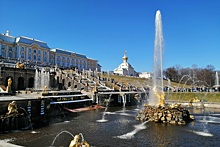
(103, 29)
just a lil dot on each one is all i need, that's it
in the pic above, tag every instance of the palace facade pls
(37, 52)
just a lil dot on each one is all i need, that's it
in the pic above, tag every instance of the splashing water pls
(104, 113)
(42, 79)
(203, 133)
(81, 136)
(60, 134)
(131, 134)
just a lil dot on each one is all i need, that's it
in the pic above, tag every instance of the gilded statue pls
(137, 96)
(160, 96)
(76, 143)
(9, 82)
(8, 88)
(12, 108)
(45, 89)
(19, 65)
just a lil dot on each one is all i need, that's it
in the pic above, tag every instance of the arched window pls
(22, 52)
(35, 57)
(63, 61)
(39, 55)
(52, 59)
(68, 62)
(35, 54)
(29, 56)
(16, 52)
(58, 60)
(73, 62)
(45, 56)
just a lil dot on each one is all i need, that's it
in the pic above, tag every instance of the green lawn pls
(203, 96)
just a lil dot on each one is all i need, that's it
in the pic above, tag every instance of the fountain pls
(76, 140)
(105, 111)
(158, 72)
(216, 78)
(156, 110)
(216, 82)
(123, 99)
(42, 79)
(15, 119)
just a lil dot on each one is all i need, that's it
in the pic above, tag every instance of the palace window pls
(3, 51)
(29, 56)
(58, 60)
(52, 60)
(68, 62)
(35, 57)
(39, 57)
(45, 56)
(22, 55)
(45, 59)
(63, 61)
(10, 52)
(73, 62)
(16, 52)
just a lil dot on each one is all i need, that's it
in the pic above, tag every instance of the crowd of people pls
(191, 89)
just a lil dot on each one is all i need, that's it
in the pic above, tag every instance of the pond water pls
(120, 129)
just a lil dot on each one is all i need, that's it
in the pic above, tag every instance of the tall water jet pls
(216, 79)
(157, 90)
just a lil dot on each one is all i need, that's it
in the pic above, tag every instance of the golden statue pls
(12, 108)
(195, 100)
(19, 65)
(76, 143)
(8, 88)
(160, 96)
(9, 82)
(45, 89)
(137, 96)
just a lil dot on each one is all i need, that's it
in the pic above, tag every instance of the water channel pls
(122, 130)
